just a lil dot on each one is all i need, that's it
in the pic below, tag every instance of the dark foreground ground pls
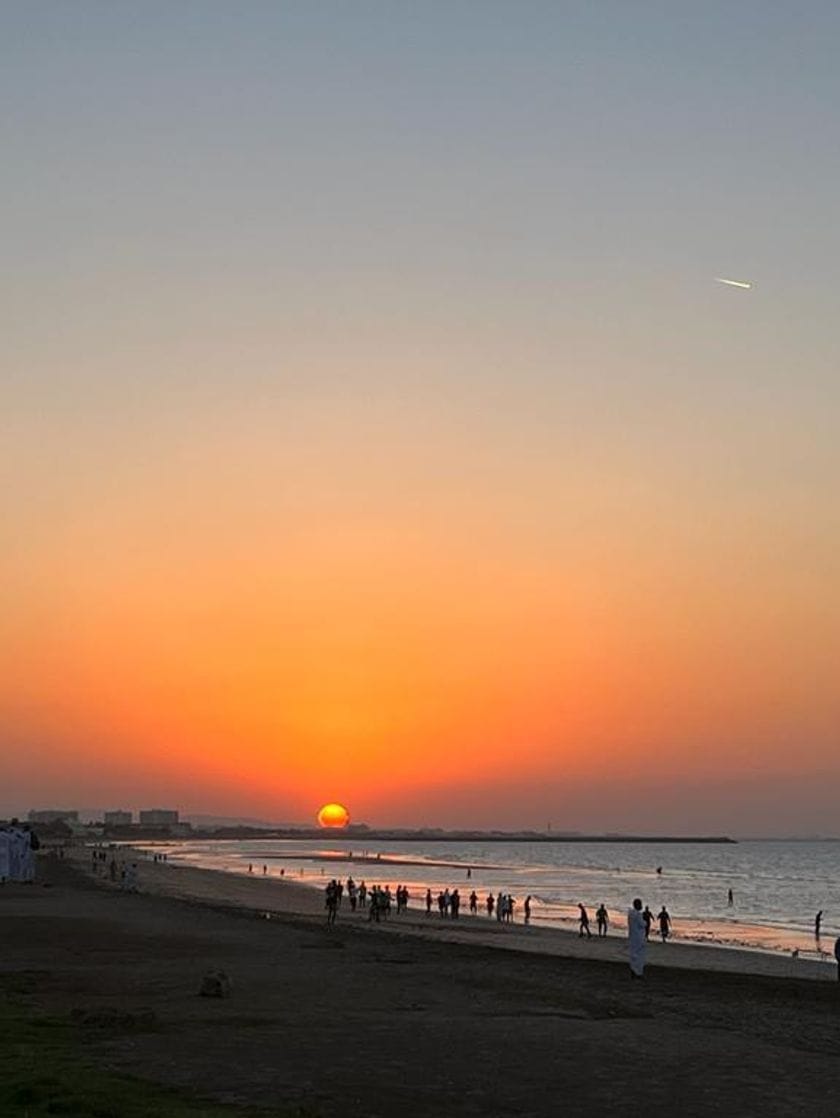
(352, 1022)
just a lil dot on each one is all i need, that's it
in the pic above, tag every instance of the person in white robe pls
(15, 851)
(27, 856)
(636, 941)
(5, 856)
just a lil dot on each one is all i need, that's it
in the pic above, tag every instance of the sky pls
(373, 429)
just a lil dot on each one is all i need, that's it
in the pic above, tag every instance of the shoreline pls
(723, 932)
(284, 898)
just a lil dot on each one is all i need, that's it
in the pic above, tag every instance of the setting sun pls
(333, 815)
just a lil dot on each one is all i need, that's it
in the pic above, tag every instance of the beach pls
(411, 1017)
(774, 888)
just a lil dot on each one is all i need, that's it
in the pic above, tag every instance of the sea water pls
(777, 886)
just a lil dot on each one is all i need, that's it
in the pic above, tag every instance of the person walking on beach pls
(817, 924)
(490, 903)
(528, 909)
(636, 939)
(603, 918)
(584, 923)
(664, 923)
(647, 916)
(474, 903)
(731, 900)
(331, 902)
(428, 902)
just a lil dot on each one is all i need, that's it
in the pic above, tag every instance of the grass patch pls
(45, 1071)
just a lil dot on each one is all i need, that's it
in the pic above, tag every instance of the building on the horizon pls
(158, 817)
(119, 818)
(52, 815)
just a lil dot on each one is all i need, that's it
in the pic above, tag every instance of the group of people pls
(601, 916)
(18, 843)
(104, 864)
(378, 901)
(502, 905)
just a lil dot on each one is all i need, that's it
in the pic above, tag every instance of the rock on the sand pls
(215, 984)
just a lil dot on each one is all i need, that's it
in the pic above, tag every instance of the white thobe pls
(5, 856)
(637, 943)
(27, 857)
(15, 851)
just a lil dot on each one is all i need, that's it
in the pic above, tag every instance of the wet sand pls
(410, 1018)
(287, 896)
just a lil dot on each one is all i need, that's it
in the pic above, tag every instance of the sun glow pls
(333, 815)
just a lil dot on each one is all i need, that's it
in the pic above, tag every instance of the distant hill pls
(208, 822)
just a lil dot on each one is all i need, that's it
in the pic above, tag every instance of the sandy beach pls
(410, 1017)
(288, 897)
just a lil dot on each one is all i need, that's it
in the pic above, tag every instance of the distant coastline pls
(359, 835)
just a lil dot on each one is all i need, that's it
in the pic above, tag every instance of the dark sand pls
(356, 1022)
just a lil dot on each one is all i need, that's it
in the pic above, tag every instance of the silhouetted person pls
(491, 901)
(664, 923)
(474, 903)
(428, 902)
(817, 924)
(647, 916)
(603, 918)
(837, 956)
(528, 909)
(659, 869)
(584, 923)
(731, 900)
(331, 902)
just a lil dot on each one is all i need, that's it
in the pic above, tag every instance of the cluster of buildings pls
(156, 818)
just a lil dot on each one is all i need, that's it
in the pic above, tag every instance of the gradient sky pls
(373, 428)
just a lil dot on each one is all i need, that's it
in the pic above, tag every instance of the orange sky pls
(373, 428)
(257, 627)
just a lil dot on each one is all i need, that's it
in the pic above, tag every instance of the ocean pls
(778, 886)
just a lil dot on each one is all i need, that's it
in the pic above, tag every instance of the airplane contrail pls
(733, 283)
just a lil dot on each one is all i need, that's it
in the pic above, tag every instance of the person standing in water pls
(731, 900)
(817, 924)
